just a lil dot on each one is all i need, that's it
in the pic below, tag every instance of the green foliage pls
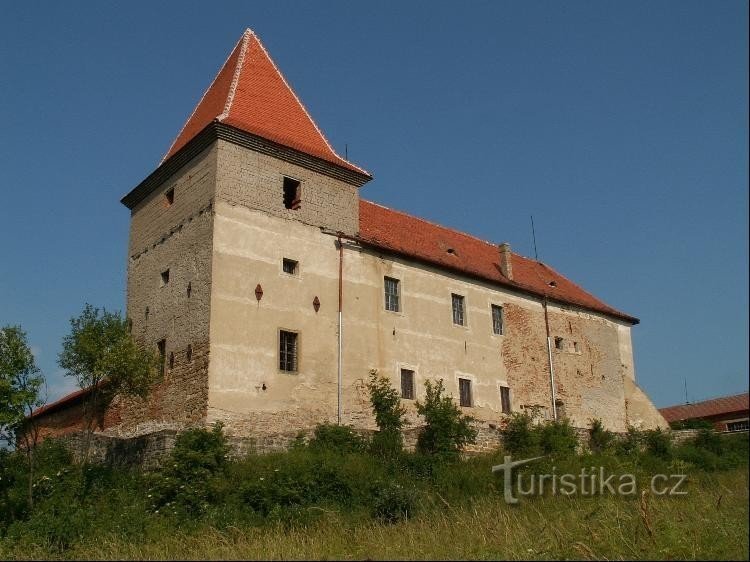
(522, 438)
(630, 443)
(20, 382)
(519, 437)
(691, 424)
(338, 438)
(102, 356)
(446, 429)
(658, 444)
(187, 484)
(557, 438)
(389, 415)
(393, 503)
(600, 439)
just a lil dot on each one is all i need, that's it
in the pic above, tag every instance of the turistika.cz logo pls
(589, 482)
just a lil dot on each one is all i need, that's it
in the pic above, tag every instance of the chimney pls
(506, 263)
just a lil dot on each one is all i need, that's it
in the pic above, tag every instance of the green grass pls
(711, 522)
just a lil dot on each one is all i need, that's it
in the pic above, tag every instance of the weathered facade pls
(273, 290)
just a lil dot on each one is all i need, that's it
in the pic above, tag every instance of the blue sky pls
(621, 126)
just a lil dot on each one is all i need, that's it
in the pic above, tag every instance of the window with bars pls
(738, 426)
(288, 351)
(497, 319)
(289, 266)
(392, 294)
(407, 384)
(459, 314)
(505, 399)
(464, 392)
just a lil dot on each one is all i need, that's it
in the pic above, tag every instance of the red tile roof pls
(707, 408)
(58, 404)
(251, 94)
(419, 239)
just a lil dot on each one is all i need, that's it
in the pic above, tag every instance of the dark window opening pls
(738, 426)
(171, 360)
(169, 195)
(164, 277)
(146, 314)
(505, 399)
(289, 266)
(292, 194)
(576, 347)
(162, 347)
(288, 351)
(189, 289)
(407, 384)
(464, 392)
(558, 343)
(392, 294)
(497, 319)
(459, 316)
(189, 354)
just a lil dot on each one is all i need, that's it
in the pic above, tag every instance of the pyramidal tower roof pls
(250, 94)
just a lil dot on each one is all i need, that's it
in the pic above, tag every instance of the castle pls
(272, 290)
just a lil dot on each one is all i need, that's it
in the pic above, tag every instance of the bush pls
(630, 443)
(336, 438)
(393, 503)
(658, 444)
(600, 439)
(446, 429)
(557, 438)
(389, 415)
(709, 440)
(519, 437)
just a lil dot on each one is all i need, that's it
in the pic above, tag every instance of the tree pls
(389, 414)
(21, 385)
(106, 361)
(446, 429)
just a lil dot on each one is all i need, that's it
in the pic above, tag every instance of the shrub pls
(557, 438)
(691, 424)
(393, 503)
(630, 443)
(519, 436)
(336, 438)
(709, 440)
(389, 415)
(446, 429)
(658, 444)
(600, 439)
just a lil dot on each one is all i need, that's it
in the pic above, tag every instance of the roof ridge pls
(715, 399)
(200, 101)
(302, 105)
(236, 76)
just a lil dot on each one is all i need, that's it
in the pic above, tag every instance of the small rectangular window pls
(407, 384)
(292, 194)
(576, 347)
(161, 345)
(289, 266)
(169, 196)
(558, 343)
(288, 351)
(392, 294)
(164, 277)
(497, 320)
(459, 315)
(505, 399)
(464, 391)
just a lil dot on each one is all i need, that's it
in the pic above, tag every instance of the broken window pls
(162, 347)
(292, 193)
(464, 392)
(289, 266)
(505, 399)
(497, 319)
(392, 294)
(558, 343)
(407, 384)
(288, 351)
(169, 196)
(164, 277)
(459, 316)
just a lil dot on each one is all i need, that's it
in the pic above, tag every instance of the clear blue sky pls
(621, 126)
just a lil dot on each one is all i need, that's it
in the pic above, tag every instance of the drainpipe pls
(341, 325)
(549, 360)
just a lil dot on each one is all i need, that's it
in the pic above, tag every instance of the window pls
(558, 343)
(407, 384)
(464, 392)
(392, 294)
(189, 353)
(289, 266)
(497, 320)
(288, 351)
(164, 277)
(162, 347)
(459, 317)
(738, 426)
(505, 399)
(576, 347)
(169, 196)
(189, 289)
(146, 313)
(292, 194)
(171, 360)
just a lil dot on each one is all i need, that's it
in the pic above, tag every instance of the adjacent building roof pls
(251, 94)
(707, 408)
(419, 239)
